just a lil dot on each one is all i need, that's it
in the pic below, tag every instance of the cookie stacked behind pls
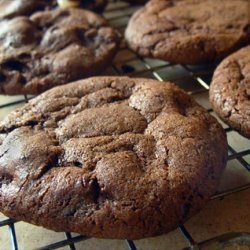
(110, 157)
(190, 31)
(13, 8)
(230, 91)
(52, 48)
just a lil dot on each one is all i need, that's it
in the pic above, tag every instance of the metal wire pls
(68, 242)
(13, 238)
(187, 235)
(131, 245)
(69, 237)
(118, 13)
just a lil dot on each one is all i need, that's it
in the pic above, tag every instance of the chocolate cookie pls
(110, 157)
(190, 31)
(13, 8)
(230, 91)
(52, 48)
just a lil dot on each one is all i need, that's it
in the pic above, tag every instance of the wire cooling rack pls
(194, 79)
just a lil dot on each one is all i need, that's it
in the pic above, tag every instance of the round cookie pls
(110, 157)
(65, 45)
(190, 31)
(230, 91)
(13, 8)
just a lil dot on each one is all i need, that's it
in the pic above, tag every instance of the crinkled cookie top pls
(189, 31)
(110, 157)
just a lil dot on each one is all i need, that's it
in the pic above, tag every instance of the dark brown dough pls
(230, 91)
(52, 48)
(110, 157)
(189, 31)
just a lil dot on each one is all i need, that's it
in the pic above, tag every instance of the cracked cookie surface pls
(230, 91)
(110, 157)
(190, 31)
(14, 8)
(65, 45)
